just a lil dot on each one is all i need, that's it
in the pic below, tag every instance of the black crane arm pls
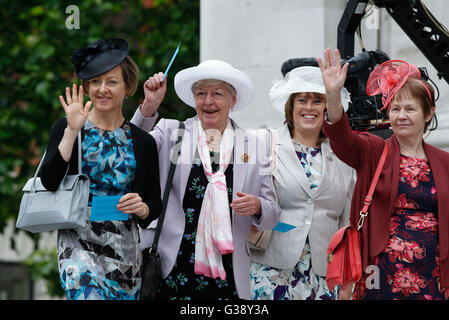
(413, 18)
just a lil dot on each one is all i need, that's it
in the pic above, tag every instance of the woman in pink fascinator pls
(405, 237)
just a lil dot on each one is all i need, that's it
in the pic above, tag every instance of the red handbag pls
(344, 250)
(344, 258)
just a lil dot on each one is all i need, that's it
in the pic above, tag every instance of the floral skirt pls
(408, 268)
(299, 283)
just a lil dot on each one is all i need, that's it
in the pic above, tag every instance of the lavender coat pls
(249, 177)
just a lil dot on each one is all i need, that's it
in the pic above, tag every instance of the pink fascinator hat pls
(388, 77)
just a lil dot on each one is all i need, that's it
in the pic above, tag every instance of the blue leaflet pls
(104, 208)
(283, 227)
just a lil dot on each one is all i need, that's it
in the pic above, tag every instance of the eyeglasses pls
(214, 94)
(109, 83)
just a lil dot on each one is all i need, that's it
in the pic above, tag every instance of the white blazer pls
(317, 213)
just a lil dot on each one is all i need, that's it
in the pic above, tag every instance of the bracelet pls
(335, 108)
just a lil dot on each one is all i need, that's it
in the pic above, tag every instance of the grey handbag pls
(66, 208)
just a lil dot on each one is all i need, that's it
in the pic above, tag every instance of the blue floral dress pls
(103, 261)
(182, 283)
(301, 282)
(408, 268)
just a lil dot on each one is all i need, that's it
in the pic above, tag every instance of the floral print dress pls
(408, 268)
(182, 283)
(301, 282)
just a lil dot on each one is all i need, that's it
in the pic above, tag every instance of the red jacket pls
(362, 152)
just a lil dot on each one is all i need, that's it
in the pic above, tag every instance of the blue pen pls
(171, 61)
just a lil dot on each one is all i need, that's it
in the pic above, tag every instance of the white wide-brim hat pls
(218, 70)
(301, 79)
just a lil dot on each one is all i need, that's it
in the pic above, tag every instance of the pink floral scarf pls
(214, 231)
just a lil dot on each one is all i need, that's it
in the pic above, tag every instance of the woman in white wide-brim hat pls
(314, 190)
(218, 191)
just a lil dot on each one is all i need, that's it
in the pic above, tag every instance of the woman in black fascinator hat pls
(103, 261)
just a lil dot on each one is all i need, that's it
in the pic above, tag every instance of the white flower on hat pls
(301, 79)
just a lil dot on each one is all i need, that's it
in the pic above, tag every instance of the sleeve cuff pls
(142, 122)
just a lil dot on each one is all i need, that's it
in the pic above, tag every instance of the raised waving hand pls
(74, 109)
(334, 77)
(76, 114)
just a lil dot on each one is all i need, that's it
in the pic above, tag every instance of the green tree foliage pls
(35, 46)
(43, 264)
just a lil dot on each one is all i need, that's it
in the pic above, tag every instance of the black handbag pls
(151, 269)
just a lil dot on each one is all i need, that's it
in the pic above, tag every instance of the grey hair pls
(212, 82)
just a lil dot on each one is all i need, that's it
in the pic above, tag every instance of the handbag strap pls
(168, 184)
(369, 196)
(38, 170)
(79, 152)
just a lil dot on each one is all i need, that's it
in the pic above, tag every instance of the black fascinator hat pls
(99, 57)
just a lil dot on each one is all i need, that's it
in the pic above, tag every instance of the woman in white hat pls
(314, 190)
(218, 191)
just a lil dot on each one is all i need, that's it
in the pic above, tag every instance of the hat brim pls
(278, 102)
(301, 79)
(242, 84)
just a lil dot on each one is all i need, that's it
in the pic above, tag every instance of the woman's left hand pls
(334, 75)
(246, 204)
(132, 203)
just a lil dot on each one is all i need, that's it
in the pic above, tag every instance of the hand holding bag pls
(66, 208)
(344, 251)
(151, 269)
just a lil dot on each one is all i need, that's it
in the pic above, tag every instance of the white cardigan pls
(317, 213)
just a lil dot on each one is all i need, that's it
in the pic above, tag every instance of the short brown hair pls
(414, 88)
(289, 110)
(130, 73)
